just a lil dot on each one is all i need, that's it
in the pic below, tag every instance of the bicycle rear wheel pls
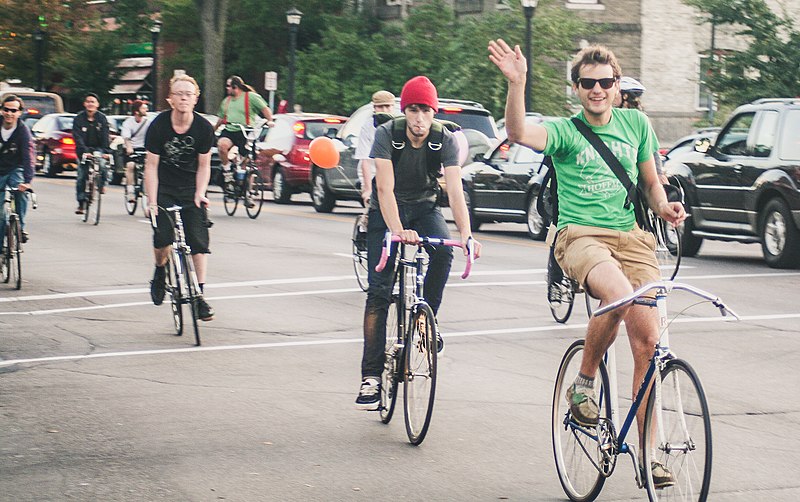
(230, 199)
(254, 194)
(678, 428)
(562, 309)
(175, 295)
(580, 464)
(360, 251)
(392, 362)
(130, 206)
(420, 373)
(192, 293)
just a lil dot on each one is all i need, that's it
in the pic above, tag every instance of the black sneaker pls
(204, 310)
(369, 396)
(554, 293)
(439, 343)
(158, 285)
(25, 237)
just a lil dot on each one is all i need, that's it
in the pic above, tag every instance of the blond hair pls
(184, 78)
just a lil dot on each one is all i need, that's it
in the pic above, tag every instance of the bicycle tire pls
(580, 475)
(175, 294)
(99, 193)
(681, 434)
(16, 253)
(89, 194)
(419, 384)
(192, 295)
(562, 309)
(5, 262)
(254, 193)
(230, 199)
(359, 242)
(392, 362)
(130, 206)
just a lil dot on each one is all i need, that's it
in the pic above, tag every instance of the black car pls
(502, 187)
(342, 182)
(745, 187)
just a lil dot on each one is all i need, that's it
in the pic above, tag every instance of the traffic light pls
(42, 21)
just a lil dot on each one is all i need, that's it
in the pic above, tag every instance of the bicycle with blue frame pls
(245, 183)
(677, 424)
(11, 259)
(411, 335)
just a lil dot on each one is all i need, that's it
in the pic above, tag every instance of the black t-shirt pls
(177, 165)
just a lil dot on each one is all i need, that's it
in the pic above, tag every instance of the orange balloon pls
(323, 152)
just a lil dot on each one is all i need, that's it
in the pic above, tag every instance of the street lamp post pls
(38, 38)
(155, 31)
(529, 6)
(293, 17)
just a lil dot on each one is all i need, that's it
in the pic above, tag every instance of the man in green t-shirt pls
(598, 242)
(241, 106)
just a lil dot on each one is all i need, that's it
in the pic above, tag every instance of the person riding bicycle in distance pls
(404, 201)
(90, 131)
(134, 130)
(598, 242)
(239, 108)
(382, 102)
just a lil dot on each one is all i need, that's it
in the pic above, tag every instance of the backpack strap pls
(433, 154)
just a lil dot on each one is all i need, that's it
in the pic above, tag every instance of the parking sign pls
(271, 80)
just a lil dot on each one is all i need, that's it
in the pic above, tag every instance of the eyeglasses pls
(11, 110)
(185, 94)
(589, 83)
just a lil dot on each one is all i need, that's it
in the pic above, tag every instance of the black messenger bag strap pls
(609, 157)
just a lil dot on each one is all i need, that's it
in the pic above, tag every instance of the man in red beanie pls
(404, 201)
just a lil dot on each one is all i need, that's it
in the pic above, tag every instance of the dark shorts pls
(140, 152)
(237, 137)
(195, 222)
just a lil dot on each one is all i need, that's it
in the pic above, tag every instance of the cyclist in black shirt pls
(90, 130)
(177, 170)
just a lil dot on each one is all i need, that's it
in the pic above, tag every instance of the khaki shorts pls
(579, 249)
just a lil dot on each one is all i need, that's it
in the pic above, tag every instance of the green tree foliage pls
(768, 67)
(88, 64)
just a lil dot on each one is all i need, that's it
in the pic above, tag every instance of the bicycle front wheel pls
(230, 199)
(677, 428)
(89, 198)
(15, 246)
(192, 292)
(392, 362)
(5, 263)
(130, 205)
(580, 462)
(562, 308)
(175, 294)
(93, 210)
(360, 252)
(420, 373)
(254, 193)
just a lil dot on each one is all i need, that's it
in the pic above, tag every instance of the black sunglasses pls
(589, 83)
(11, 110)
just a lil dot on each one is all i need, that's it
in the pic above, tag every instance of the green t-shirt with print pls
(232, 109)
(588, 191)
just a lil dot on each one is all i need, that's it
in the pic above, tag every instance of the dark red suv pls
(283, 155)
(54, 144)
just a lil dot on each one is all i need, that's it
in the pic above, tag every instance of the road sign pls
(271, 80)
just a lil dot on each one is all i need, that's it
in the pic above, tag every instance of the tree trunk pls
(213, 21)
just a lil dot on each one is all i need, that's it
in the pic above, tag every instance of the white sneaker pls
(369, 395)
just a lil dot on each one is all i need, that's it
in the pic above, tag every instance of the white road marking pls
(306, 343)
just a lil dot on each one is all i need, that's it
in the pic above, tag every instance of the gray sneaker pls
(662, 477)
(583, 405)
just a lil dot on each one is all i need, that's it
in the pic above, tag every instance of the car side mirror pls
(279, 157)
(702, 145)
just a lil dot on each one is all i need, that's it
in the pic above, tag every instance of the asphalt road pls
(99, 401)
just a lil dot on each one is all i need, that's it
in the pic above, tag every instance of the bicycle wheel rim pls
(420, 373)
(579, 477)
(678, 426)
(561, 310)
(16, 252)
(255, 193)
(175, 297)
(230, 201)
(359, 242)
(192, 294)
(99, 195)
(392, 360)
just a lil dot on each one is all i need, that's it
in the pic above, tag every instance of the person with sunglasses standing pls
(241, 105)
(16, 159)
(598, 242)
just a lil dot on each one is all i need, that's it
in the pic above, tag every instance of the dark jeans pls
(82, 175)
(426, 218)
(12, 180)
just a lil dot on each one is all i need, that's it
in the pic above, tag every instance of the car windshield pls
(65, 123)
(317, 129)
(468, 120)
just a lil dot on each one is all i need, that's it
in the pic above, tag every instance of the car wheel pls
(324, 200)
(537, 226)
(474, 222)
(779, 237)
(281, 193)
(48, 168)
(690, 244)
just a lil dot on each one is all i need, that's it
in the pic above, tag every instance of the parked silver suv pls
(342, 182)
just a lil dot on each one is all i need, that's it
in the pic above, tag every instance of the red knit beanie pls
(419, 91)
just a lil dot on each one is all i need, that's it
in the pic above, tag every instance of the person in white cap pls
(382, 102)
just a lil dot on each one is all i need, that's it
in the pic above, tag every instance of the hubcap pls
(775, 233)
(535, 220)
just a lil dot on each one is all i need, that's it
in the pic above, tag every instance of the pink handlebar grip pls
(389, 239)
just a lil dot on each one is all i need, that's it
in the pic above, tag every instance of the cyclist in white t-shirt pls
(382, 102)
(134, 130)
